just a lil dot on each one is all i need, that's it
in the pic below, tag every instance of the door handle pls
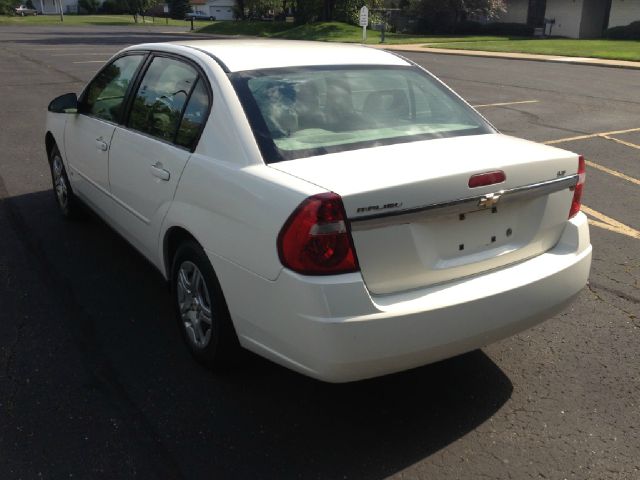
(161, 173)
(101, 144)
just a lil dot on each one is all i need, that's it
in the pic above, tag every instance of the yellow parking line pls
(571, 139)
(607, 136)
(591, 135)
(623, 142)
(610, 224)
(615, 173)
(505, 103)
(600, 220)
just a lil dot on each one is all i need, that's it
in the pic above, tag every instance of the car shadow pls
(257, 421)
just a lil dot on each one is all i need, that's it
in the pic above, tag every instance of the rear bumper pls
(332, 329)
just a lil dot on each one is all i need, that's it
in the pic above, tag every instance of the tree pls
(178, 9)
(88, 6)
(239, 10)
(6, 7)
(113, 7)
(332, 10)
(442, 16)
(138, 7)
(306, 11)
(349, 10)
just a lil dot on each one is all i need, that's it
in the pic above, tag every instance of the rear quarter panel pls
(236, 212)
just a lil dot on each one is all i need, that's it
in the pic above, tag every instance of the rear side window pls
(308, 111)
(161, 97)
(104, 96)
(194, 116)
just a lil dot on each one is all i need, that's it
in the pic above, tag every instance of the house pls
(572, 18)
(53, 6)
(221, 9)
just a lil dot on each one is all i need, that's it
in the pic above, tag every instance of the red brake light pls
(577, 190)
(315, 240)
(486, 178)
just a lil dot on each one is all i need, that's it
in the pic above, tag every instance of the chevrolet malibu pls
(334, 208)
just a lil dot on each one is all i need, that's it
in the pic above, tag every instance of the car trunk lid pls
(416, 221)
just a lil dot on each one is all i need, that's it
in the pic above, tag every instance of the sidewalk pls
(596, 62)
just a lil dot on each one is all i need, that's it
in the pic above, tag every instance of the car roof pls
(253, 54)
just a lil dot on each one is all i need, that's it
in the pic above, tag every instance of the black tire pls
(68, 203)
(219, 350)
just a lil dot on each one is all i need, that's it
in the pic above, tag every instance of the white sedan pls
(334, 208)
(24, 11)
(199, 16)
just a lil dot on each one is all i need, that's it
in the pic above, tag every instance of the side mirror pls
(67, 103)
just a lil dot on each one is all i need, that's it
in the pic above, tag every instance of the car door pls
(88, 134)
(148, 154)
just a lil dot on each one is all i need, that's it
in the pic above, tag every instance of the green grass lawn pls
(89, 20)
(610, 49)
(341, 32)
(324, 31)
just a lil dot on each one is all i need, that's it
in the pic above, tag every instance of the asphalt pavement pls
(96, 383)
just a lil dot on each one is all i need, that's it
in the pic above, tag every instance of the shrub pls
(6, 7)
(511, 29)
(626, 32)
(113, 7)
(468, 27)
(88, 6)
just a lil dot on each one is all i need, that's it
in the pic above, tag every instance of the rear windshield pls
(304, 112)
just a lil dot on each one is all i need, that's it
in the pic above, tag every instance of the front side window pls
(303, 112)
(162, 94)
(105, 95)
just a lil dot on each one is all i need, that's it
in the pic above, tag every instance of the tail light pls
(577, 190)
(315, 240)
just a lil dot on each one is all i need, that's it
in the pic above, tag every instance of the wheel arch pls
(49, 143)
(173, 237)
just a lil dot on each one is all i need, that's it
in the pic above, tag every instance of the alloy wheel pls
(60, 182)
(194, 304)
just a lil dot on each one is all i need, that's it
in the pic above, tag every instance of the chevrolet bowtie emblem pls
(490, 200)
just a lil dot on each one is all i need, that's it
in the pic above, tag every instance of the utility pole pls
(61, 12)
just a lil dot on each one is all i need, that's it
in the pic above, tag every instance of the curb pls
(595, 62)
